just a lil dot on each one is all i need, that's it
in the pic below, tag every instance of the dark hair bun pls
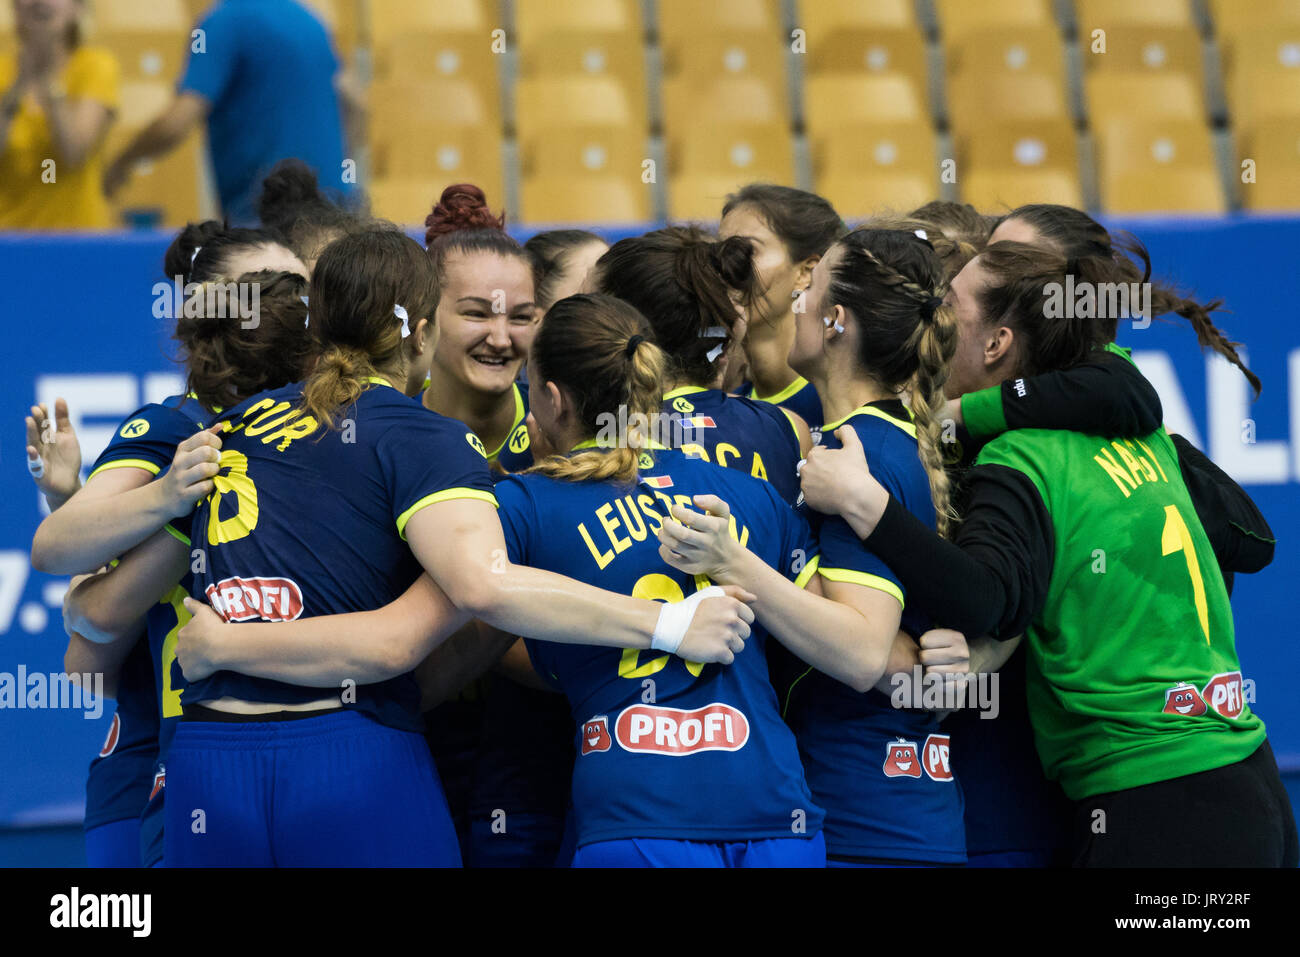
(289, 187)
(733, 258)
(462, 206)
(179, 258)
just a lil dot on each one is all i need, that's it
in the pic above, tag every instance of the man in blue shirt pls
(263, 74)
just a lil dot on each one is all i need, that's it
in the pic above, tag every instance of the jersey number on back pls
(232, 478)
(657, 587)
(1176, 538)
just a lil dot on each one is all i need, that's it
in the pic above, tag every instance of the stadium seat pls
(1009, 97)
(1144, 49)
(1258, 93)
(456, 102)
(594, 199)
(582, 153)
(1112, 14)
(1275, 150)
(1146, 164)
(753, 153)
(707, 56)
(408, 201)
(549, 106)
(1016, 50)
(539, 21)
(844, 101)
(8, 41)
(394, 18)
(1277, 46)
(168, 187)
(1234, 16)
(742, 99)
(1004, 189)
(461, 56)
(699, 197)
(341, 20)
(876, 167)
(1118, 96)
(824, 19)
(875, 150)
(682, 20)
(1019, 146)
(957, 18)
(150, 41)
(621, 56)
(457, 154)
(860, 195)
(884, 50)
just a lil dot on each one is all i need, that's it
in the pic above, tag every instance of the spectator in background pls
(263, 74)
(58, 100)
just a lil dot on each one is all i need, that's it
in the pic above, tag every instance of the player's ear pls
(559, 402)
(803, 275)
(998, 345)
(423, 336)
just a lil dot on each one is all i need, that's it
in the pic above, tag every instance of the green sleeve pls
(982, 412)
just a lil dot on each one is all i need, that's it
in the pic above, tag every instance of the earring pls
(839, 326)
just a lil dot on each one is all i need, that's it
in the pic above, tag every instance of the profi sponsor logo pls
(595, 734)
(676, 732)
(1223, 693)
(936, 757)
(114, 734)
(1183, 698)
(902, 760)
(244, 599)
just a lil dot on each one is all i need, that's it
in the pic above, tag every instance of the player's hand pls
(718, 631)
(115, 176)
(944, 651)
(700, 543)
(198, 643)
(195, 464)
(53, 453)
(839, 482)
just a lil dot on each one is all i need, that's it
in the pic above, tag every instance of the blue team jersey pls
(120, 776)
(882, 773)
(665, 748)
(757, 438)
(799, 397)
(514, 454)
(311, 521)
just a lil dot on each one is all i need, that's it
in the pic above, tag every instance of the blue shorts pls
(115, 844)
(656, 852)
(333, 790)
(151, 823)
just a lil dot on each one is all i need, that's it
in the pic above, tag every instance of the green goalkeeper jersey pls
(1133, 674)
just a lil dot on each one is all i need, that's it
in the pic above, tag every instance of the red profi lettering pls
(246, 599)
(675, 732)
(937, 754)
(1223, 694)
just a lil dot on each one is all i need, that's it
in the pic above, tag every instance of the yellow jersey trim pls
(683, 390)
(794, 426)
(175, 534)
(805, 576)
(864, 579)
(798, 383)
(908, 427)
(126, 464)
(445, 495)
(519, 417)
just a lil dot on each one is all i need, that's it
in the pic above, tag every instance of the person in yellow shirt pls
(57, 101)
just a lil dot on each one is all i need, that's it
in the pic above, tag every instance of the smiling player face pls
(486, 321)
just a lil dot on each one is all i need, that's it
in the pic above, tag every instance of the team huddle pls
(570, 554)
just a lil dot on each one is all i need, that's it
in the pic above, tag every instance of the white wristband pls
(675, 620)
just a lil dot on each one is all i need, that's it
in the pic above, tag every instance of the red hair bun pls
(462, 206)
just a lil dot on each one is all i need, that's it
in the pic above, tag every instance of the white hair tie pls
(194, 255)
(920, 234)
(400, 313)
(306, 319)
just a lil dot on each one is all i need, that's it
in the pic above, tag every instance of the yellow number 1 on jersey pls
(1176, 538)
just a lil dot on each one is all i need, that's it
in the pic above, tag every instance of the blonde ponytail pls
(938, 342)
(335, 383)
